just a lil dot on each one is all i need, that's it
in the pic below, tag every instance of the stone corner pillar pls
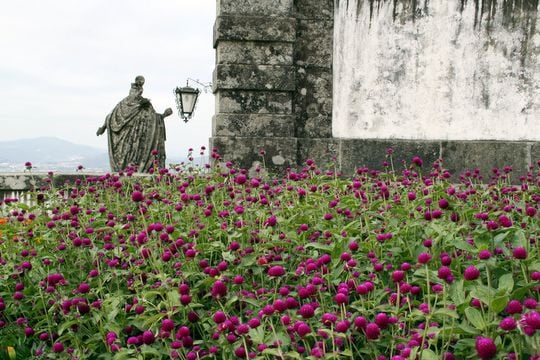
(254, 82)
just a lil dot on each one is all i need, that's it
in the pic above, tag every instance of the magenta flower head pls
(530, 303)
(137, 196)
(219, 317)
(271, 221)
(167, 325)
(148, 337)
(508, 324)
(520, 253)
(372, 331)
(504, 221)
(83, 288)
(471, 273)
(417, 160)
(276, 271)
(306, 311)
(302, 328)
(485, 348)
(532, 319)
(424, 258)
(58, 347)
(398, 275)
(514, 307)
(240, 179)
(219, 289)
(443, 203)
(484, 254)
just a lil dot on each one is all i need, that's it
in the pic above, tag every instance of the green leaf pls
(257, 335)
(274, 352)
(475, 318)
(456, 293)
(318, 246)
(499, 303)
(231, 301)
(149, 350)
(483, 293)
(124, 355)
(295, 355)
(467, 329)
(519, 238)
(462, 245)
(350, 225)
(228, 256)
(498, 239)
(522, 290)
(66, 325)
(428, 354)
(173, 298)
(447, 312)
(506, 283)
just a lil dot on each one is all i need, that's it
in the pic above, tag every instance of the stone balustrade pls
(19, 184)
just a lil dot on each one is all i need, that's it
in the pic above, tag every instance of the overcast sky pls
(66, 63)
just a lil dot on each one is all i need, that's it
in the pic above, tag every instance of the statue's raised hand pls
(167, 112)
(101, 130)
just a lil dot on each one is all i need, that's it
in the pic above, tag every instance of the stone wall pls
(273, 88)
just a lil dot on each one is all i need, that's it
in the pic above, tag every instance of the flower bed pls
(218, 264)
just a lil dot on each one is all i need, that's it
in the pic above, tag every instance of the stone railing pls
(18, 185)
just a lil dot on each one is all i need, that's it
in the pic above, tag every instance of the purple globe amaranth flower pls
(302, 328)
(532, 319)
(137, 196)
(530, 303)
(219, 289)
(219, 317)
(372, 331)
(306, 311)
(504, 221)
(240, 179)
(530, 211)
(484, 254)
(83, 288)
(398, 275)
(328, 319)
(276, 271)
(519, 253)
(508, 324)
(271, 221)
(148, 337)
(471, 273)
(444, 272)
(417, 160)
(382, 320)
(58, 347)
(342, 326)
(485, 348)
(514, 307)
(167, 325)
(341, 298)
(424, 258)
(443, 203)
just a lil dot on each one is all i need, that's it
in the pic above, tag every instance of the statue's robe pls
(134, 132)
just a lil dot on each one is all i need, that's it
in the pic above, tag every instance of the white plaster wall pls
(436, 79)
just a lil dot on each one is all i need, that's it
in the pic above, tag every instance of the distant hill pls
(50, 153)
(54, 154)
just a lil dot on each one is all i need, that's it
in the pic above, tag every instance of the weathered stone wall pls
(254, 81)
(273, 87)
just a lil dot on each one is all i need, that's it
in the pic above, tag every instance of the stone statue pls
(136, 133)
